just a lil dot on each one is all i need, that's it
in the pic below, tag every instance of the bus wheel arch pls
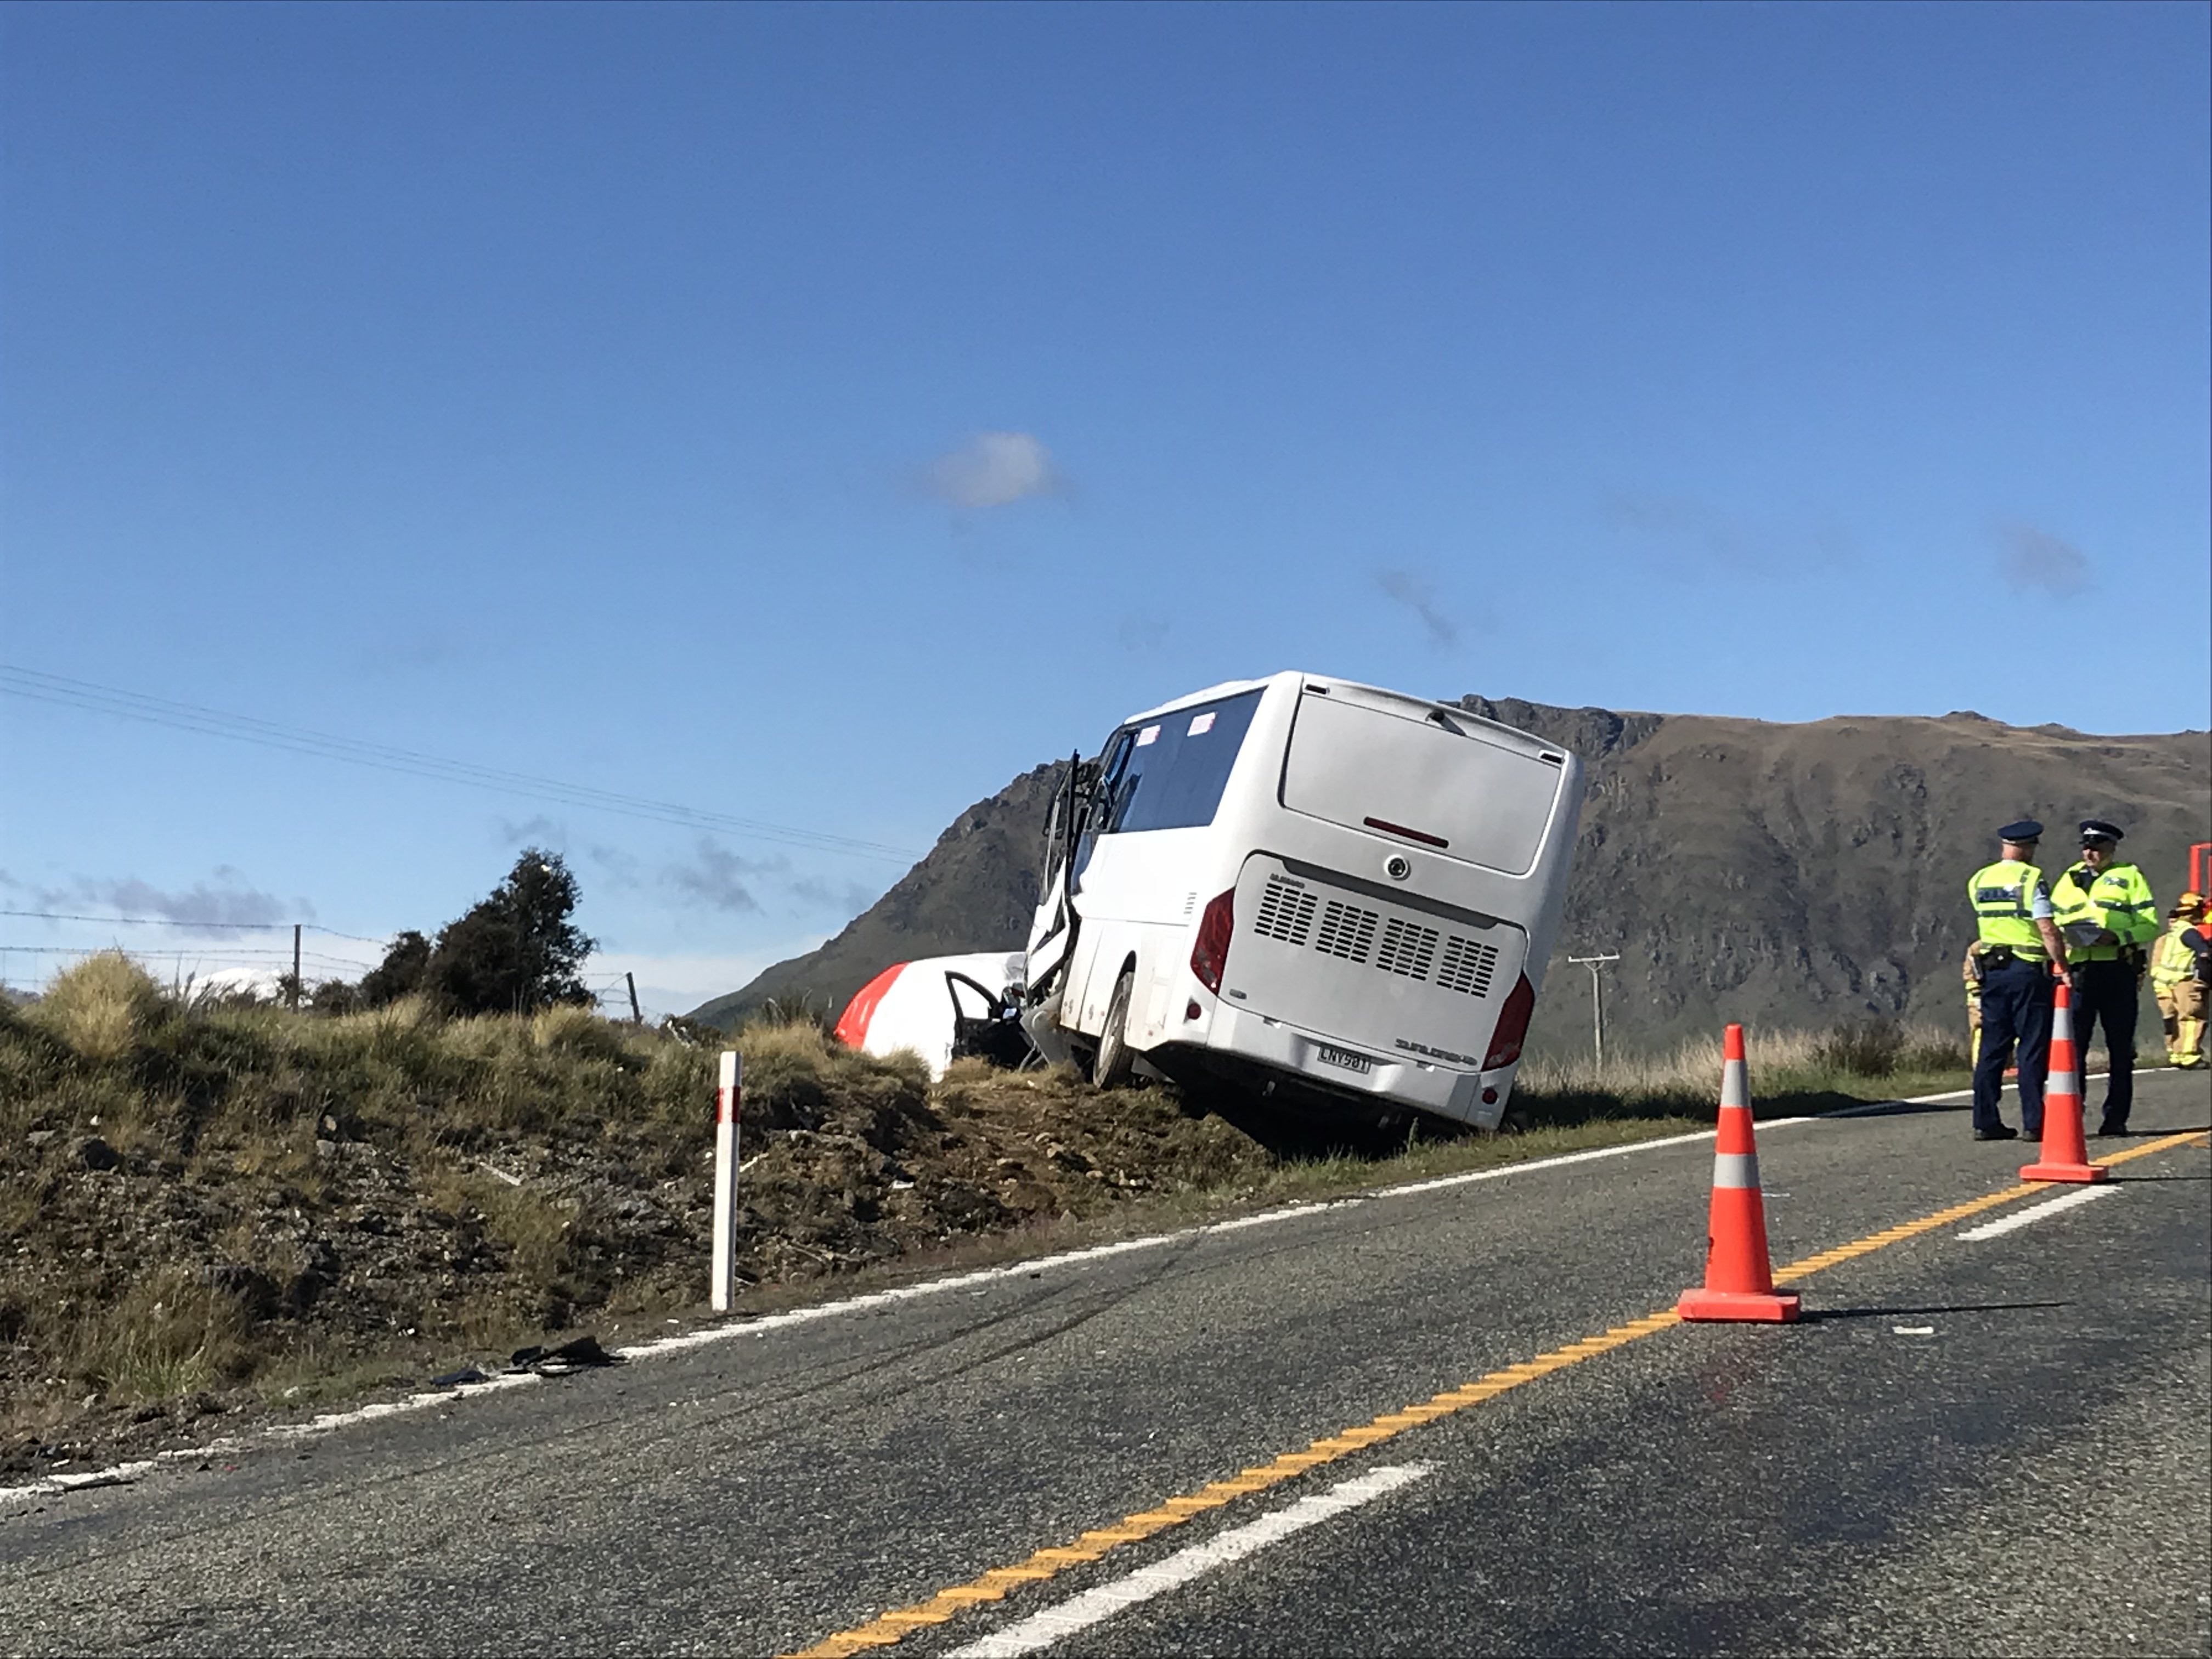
(1115, 1060)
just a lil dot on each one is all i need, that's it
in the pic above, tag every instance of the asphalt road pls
(1993, 1445)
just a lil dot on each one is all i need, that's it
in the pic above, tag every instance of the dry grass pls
(169, 1333)
(101, 1006)
(1848, 1062)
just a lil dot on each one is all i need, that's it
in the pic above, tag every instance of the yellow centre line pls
(993, 1586)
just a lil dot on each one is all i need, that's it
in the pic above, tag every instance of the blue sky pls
(817, 415)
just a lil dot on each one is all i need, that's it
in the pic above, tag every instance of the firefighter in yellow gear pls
(1972, 973)
(2177, 967)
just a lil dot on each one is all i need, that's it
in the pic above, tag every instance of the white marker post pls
(728, 1097)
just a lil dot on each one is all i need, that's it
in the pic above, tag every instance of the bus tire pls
(1115, 1060)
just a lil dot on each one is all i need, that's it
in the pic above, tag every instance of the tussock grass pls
(169, 1333)
(101, 1006)
(1859, 1058)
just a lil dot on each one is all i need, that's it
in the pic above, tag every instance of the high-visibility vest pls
(2115, 898)
(2004, 896)
(2171, 961)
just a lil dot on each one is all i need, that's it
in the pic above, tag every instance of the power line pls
(245, 728)
(243, 957)
(178, 921)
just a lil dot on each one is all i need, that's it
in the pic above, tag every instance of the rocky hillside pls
(1796, 875)
(1787, 875)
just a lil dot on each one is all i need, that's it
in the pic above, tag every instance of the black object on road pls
(582, 1354)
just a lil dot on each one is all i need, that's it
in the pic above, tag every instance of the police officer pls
(2018, 944)
(2108, 919)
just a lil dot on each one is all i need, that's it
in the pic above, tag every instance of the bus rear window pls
(1431, 784)
(1168, 772)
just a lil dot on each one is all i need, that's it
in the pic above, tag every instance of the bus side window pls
(1104, 804)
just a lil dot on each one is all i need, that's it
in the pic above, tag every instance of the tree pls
(335, 996)
(399, 974)
(515, 951)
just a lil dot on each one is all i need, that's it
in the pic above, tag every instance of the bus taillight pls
(1209, 957)
(1512, 1026)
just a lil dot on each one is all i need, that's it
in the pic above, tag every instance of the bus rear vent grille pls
(1286, 912)
(1289, 911)
(1346, 931)
(1407, 949)
(1466, 966)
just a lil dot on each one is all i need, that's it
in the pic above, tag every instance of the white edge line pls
(1876, 1107)
(1043, 1628)
(54, 1486)
(2035, 1213)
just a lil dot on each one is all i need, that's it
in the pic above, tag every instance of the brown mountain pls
(1786, 875)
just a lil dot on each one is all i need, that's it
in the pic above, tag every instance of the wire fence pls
(197, 970)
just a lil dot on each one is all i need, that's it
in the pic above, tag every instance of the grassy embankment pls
(208, 1207)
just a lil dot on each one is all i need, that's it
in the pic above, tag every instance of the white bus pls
(1310, 888)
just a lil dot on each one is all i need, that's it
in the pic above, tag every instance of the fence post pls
(728, 1098)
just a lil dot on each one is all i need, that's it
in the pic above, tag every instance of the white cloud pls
(995, 468)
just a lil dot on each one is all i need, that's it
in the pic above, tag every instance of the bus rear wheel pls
(1116, 1062)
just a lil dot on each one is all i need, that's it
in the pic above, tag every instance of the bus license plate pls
(1344, 1057)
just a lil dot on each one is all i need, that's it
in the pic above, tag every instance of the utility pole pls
(296, 966)
(1597, 1000)
(635, 1017)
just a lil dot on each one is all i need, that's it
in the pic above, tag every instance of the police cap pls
(2026, 830)
(2097, 829)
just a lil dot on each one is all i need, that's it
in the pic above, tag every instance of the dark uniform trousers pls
(2016, 1017)
(2110, 992)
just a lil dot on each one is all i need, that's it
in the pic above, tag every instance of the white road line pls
(1041, 1629)
(1881, 1108)
(2049, 1206)
(1438, 1182)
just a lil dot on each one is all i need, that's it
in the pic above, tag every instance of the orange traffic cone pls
(1739, 1281)
(2065, 1154)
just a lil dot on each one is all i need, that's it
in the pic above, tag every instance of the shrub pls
(400, 974)
(1869, 1046)
(335, 996)
(102, 1005)
(1927, 1049)
(569, 1028)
